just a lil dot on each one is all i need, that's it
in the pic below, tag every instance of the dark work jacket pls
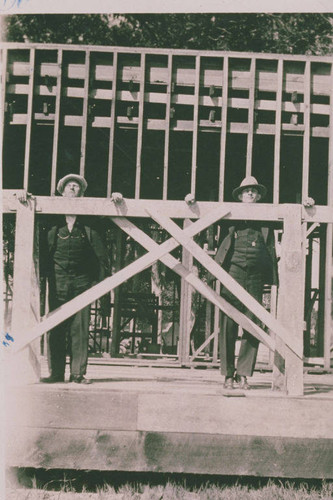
(98, 267)
(225, 249)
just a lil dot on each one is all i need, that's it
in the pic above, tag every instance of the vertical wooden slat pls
(185, 308)
(116, 317)
(85, 113)
(112, 123)
(216, 325)
(329, 245)
(277, 140)
(26, 364)
(140, 126)
(306, 137)
(56, 123)
(195, 125)
(4, 55)
(29, 119)
(288, 376)
(167, 129)
(224, 125)
(251, 117)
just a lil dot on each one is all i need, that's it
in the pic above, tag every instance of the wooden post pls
(195, 130)
(29, 120)
(116, 303)
(249, 151)
(85, 113)
(112, 124)
(25, 366)
(224, 126)
(328, 297)
(329, 247)
(288, 374)
(185, 307)
(56, 126)
(140, 127)
(277, 142)
(167, 129)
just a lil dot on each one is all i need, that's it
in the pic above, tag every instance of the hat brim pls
(72, 177)
(259, 187)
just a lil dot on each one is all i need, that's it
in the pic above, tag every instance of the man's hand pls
(24, 197)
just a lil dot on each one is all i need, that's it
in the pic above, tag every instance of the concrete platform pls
(137, 418)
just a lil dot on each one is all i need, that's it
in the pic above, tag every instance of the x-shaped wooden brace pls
(183, 237)
(71, 307)
(235, 288)
(171, 262)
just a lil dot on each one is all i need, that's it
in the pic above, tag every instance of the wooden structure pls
(172, 421)
(174, 132)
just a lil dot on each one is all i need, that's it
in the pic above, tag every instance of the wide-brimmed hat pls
(72, 177)
(249, 181)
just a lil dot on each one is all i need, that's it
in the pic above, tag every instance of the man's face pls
(72, 189)
(249, 195)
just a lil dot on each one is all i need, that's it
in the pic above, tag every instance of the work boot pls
(229, 383)
(243, 383)
(79, 379)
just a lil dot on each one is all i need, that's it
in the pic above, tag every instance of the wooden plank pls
(60, 314)
(224, 124)
(25, 307)
(140, 127)
(116, 316)
(195, 125)
(85, 112)
(216, 324)
(3, 95)
(277, 140)
(174, 208)
(290, 311)
(329, 246)
(185, 323)
(112, 124)
(307, 133)
(63, 408)
(56, 126)
(167, 129)
(232, 285)
(29, 121)
(182, 452)
(195, 282)
(250, 119)
(186, 52)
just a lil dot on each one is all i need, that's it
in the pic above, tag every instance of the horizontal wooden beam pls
(173, 208)
(185, 52)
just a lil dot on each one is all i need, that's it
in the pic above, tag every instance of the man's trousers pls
(252, 281)
(71, 336)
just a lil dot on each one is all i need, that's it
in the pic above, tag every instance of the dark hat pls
(72, 177)
(247, 182)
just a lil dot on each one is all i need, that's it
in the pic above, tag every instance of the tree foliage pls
(259, 32)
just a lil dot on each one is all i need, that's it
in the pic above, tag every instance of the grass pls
(161, 487)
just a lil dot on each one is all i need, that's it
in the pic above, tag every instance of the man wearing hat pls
(74, 259)
(247, 252)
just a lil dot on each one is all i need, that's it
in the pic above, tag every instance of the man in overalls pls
(74, 260)
(248, 254)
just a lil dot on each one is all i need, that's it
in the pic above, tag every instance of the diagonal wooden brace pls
(148, 243)
(232, 285)
(60, 314)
